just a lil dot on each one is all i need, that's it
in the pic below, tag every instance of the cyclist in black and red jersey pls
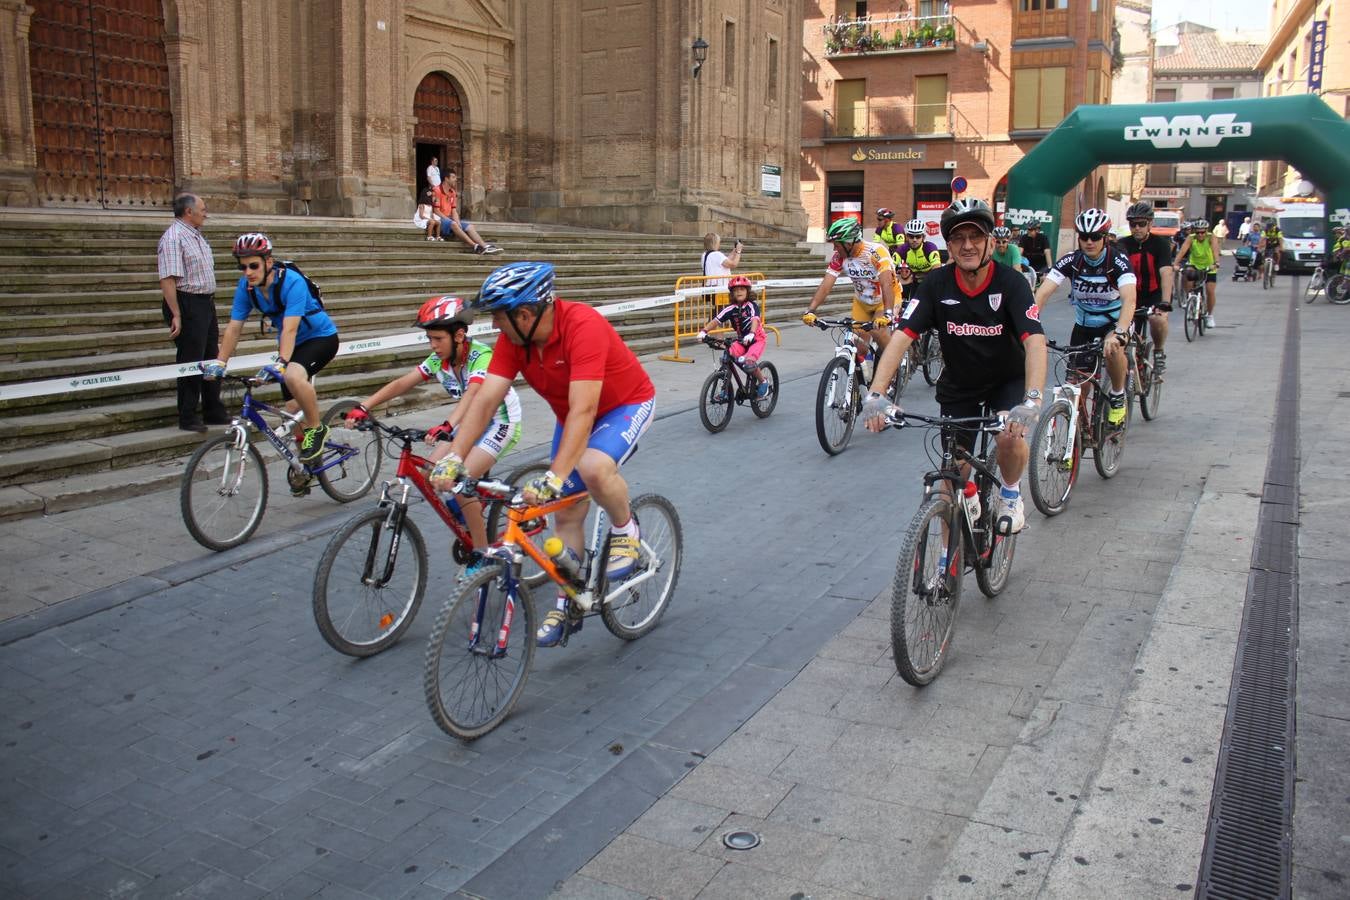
(1150, 256)
(992, 342)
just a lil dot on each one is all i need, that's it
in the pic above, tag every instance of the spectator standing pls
(1221, 231)
(1245, 229)
(187, 280)
(433, 174)
(715, 262)
(447, 207)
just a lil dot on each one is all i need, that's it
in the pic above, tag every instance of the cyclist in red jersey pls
(596, 387)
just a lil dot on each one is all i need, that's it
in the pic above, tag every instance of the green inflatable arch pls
(1301, 130)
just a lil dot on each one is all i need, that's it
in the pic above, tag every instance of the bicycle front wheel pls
(1188, 320)
(932, 359)
(716, 400)
(479, 655)
(223, 494)
(1150, 387)
(1338, 289)
(637, 610)
(370, 582)
(762, 406)
(1054, 459)
(1315, 285)
(835, 407)
(352, 478)
(925, 596)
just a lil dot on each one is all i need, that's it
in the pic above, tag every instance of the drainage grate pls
(1250, 835)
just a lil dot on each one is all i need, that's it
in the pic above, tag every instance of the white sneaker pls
(1012, 511)
(1209, 321)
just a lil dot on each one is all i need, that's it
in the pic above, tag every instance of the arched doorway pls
(102, 123)
(439, 114)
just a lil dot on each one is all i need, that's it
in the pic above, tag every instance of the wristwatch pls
(1034, 395)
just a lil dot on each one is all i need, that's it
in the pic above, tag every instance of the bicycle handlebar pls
(845, 322)
(410, 435)
(991, 424)
(1094, 344)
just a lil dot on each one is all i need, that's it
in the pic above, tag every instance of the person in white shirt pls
(433, 174)
(1245, 228)
(715, 262)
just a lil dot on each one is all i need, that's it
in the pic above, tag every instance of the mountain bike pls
(1268, 270)
(926, 592)
(372, 576)
(931, 356)
(1193, 306)
(844, 382)
(730, 385)
(1074, 421)
(223, 492)
(482, 645)
(1142, 357)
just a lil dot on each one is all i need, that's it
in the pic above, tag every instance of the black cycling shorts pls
(1083, 334)
(312, 355)
(996, 400)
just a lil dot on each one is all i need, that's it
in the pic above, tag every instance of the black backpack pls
(284, 267)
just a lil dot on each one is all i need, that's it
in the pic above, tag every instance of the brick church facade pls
(580, 112)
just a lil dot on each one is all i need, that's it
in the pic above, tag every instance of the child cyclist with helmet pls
(307, 339)
(742, 316)
(460, 364)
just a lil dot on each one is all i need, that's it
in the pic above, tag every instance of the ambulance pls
(1302, 225)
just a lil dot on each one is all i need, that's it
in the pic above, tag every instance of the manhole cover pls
(740, 840)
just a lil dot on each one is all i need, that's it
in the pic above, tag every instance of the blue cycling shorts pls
(615, 434)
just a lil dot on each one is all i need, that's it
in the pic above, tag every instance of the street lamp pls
(700, 50)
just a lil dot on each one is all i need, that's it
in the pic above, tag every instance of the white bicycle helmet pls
(1092, 221)
(916, 227)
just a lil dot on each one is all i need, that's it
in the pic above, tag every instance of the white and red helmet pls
(445, 311)
(254, 243)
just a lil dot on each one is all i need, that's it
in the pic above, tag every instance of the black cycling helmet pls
(962, 211)
(1140, 210)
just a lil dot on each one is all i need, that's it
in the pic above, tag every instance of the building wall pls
(579, 111)
(991, 43)
(1285, 65)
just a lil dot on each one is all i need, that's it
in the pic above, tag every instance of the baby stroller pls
(1245, 270)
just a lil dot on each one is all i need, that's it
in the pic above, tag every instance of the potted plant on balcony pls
(946, 35)
(832, 46)
(898, 39)
(927, 35)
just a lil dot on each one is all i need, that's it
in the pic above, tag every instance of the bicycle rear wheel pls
(1338, 289)
(471, 676)
(1267, 274)
(716, 400)
(908, 363)
(763, 406)
(1150, 386)
(1051, 476)
(638, 609)
(352, 478)
(932, 358)
(370, 582)
(223, 493)
(1110, 441)
(835, 407)
(925, 598)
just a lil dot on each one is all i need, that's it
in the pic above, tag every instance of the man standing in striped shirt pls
(187, 278)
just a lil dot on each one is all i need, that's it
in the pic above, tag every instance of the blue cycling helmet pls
(516, 284)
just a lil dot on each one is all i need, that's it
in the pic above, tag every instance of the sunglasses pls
(1095, 236)
(1139, 223)
(250, 267)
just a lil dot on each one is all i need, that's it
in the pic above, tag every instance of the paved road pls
(202, 737)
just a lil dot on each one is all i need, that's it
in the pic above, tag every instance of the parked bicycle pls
(946, 538)
(373, 574)
(482, 645)
(844, 383)
(223, 492)
(1337, 286)
(730, 385)
(1144, 378)
(1193, 303)
(1074, 421)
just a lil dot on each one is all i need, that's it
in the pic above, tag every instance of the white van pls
(1302, 225)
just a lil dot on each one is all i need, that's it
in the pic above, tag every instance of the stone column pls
(18, 144)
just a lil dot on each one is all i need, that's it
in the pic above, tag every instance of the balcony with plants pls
(885, 35)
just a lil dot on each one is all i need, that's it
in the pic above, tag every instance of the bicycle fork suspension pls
(393, 523)
(498, 647)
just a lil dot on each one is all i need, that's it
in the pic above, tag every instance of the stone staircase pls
(79, 296)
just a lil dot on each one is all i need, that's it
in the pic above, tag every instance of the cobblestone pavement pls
(201, 738)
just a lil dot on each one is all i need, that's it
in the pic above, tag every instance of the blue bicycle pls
(223, 494)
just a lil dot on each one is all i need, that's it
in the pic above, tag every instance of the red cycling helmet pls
(255, 243)
(444, 312)
(738, 281)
